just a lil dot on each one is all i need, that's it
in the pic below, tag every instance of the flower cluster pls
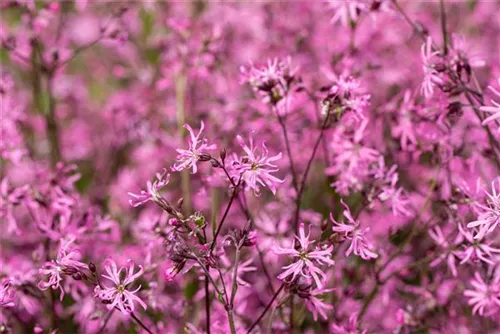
(235, 167)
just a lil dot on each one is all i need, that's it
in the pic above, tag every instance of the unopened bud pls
(223, 154)
(92, 267)
(440, 67)
(215, 163)
(77, 276)
(205, 157)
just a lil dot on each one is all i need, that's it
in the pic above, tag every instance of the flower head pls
(255, 166)
(119, 294)
(66, 263)
(187, 159)
(489, 214)
(152, 193)
(272, 81)
(316, 305)
(6, 294)
(351, 230)
(431, 76)
(484, 297)
(475, 249)
(347, 11)
(493, 110)
(307, 259)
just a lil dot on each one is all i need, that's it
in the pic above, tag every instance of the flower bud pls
(92, 267)
(205, 157)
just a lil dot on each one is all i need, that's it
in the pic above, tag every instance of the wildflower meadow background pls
(250, 167)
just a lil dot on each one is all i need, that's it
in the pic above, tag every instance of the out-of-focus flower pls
(273, 82)
(316, 305)
(256, 166)
(6, 294)
(347, 11)
(353, 232)
(152, 193)
(431, 76)
(489, 215)
(352, 327)
(446, 253)
(476, 249)
(307, 259)
(395, 195)
(197, 147)
(484, 298)
(119, 294)
(66, 263)
(494, 110)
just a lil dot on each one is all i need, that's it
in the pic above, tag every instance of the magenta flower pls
(494, 110)
(9, 199)
(306, 264)
(189, 158)
(152, 193)
(6, 294)
(256, 166)
(119, 294)
(273, 81)
(352, 327)
(66, 263)
(395, 195)
(316, 305)
(431, 76)
(476, 249)
(352, 231)
(484, 298)
(445, 252)
(489, 215)
(347, 11)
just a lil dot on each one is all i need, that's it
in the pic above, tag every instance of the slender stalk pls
(106, 321)
(368, 301)
(180, 98)
(207, 305)
(284, 130)
(232, 327)
(223, 219)
(140, 323)
(52, 127)
(234, 287)
(306, 173)
(256, 322)
(443, 27)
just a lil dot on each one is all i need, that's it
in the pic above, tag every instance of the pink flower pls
(477, 249)
(189, 158)
(352, 327)
(347, 11)
(352, 231)
(431, 76)
(9, 199)
(66, 263)
(494, 110)
(484, 297)
(489, 215)
(307, 259)
(318, 306)
(152, 193)
(6, 294)
(445, 253)
(395, 195)
(256, 166)
(272, 81)
(119, 294)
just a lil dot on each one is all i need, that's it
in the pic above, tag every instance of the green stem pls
(180, 98)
